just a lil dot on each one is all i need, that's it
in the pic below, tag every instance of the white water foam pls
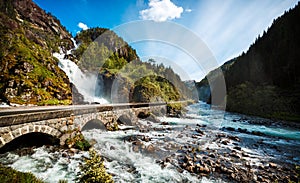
(130, 166)
(48, 166)
(3, 104)
(86, 84)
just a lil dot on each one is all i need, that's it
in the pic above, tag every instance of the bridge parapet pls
(63, 123)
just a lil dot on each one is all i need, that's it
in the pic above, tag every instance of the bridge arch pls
(20, 131)
(125, 119)
(93, 124)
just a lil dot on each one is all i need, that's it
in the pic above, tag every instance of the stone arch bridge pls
(62, 122)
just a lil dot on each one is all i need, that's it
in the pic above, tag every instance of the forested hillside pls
(103, 52)
(29, 72)
(265, 80)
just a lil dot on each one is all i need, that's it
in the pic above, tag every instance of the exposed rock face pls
(125, 77)
(29, 72)
(264, 81)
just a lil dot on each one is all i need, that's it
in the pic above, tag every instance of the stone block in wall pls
(16, 133)
(63, 129)
(24, 129)
(7, 137)
(4, 130)
(15, 127)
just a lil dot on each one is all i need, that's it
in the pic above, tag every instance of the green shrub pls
(93, 170)
(78, 142)
(9, 175)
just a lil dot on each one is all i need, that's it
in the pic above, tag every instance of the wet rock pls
(225, 142)
(257, 133)
(146, 138)
(144, 130)
(221, 135)
(64, 154)
(124, 119)
(194, 136)
(73, 150)
(164, 123)
(272, 165)
(190, 169)
(168, 159)
(261, 179)
(242, 130)
(135, 148)
(137, 143)
(179, 136)
(112, 148)
(187, 158)
(143, 115)
(234, 138)
(212, 155)
(235, 155)
(201, 126)
(203, 169)
(245, 154)
(150, 148)
(237, 148)
(199, 131)
(228, 128)
(153, 118)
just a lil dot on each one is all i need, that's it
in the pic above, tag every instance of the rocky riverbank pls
(230, 161)
(192, 149)
(233, 155)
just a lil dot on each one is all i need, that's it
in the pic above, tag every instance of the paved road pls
(37, 109)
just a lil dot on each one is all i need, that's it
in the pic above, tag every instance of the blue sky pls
(227, 27)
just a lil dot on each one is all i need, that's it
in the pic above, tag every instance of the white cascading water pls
(130, 165)
(86, 84)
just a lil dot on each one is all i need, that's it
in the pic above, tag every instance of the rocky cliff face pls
(125, 77)
(29, 72)
(265, 81)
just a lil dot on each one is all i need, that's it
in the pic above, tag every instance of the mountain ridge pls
(29, 72)
(264, 81)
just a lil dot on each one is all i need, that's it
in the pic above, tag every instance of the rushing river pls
(139, 154)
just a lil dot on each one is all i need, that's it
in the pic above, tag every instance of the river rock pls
(236, 155)
(272, 165)
(225, 142)
(150, 148)
(204, 169)
(135, 148)
(199, 131)
(164, 123)
(237, 148)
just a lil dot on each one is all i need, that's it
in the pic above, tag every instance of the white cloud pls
(188, 10)
(161, 10)
(82, 26)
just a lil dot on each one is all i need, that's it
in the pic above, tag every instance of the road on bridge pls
(37, 109)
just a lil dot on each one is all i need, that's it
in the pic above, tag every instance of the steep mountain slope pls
(126, 78)
(265, 81)
(29, 72)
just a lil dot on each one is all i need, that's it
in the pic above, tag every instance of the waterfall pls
(87, 84)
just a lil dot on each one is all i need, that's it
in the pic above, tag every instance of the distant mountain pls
(265, 81)
(29, 72)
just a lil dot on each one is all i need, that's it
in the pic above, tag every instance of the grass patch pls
(9, 175)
